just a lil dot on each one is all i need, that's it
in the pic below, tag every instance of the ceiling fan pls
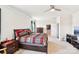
(53, 8)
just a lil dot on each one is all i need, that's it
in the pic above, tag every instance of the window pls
(76, 30)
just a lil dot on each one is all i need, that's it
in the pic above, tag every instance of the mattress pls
(35, 39)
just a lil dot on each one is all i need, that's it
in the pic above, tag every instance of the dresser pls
(72, 39)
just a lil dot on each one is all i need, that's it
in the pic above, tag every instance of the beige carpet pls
(25, 51)
(53, 47)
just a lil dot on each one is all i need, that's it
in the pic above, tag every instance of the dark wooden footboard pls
(34, 48)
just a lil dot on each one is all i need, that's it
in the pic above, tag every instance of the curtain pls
(33, 26)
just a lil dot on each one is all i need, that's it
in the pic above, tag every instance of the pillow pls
(22, 32)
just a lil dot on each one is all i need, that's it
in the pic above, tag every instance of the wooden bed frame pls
(34, 48)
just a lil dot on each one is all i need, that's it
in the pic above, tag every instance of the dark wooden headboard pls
(22, 31)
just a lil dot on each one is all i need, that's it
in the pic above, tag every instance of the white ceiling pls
(38, 10)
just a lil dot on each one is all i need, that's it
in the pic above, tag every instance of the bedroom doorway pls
(58, 30)
(58, 27)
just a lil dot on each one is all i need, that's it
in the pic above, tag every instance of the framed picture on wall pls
(48, 27)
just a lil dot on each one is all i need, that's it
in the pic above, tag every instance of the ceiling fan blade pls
(57, 9)
(52, 7)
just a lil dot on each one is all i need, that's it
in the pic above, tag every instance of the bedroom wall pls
(11, 19)
(44, 22)
(76, 19)
(65, 25)
(68, 22)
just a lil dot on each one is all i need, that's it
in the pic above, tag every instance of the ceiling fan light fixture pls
(52, 10)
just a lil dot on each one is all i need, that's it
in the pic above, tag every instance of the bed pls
(32, 41)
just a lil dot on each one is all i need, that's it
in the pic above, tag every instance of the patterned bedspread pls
(34, 39)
